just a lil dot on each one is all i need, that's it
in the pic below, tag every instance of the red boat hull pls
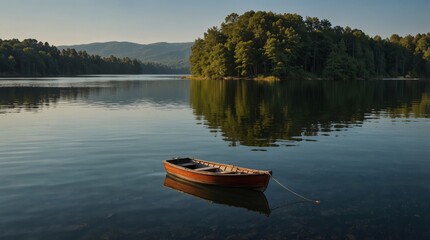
(255, 181)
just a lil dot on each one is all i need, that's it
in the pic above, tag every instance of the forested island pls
(269, 45)
(34, 58)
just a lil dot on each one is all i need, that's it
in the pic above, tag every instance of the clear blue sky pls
(62, 22)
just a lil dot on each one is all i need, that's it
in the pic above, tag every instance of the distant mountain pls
(171, 54)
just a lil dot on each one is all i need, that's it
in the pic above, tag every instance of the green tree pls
(339, 64)
(245, 55)
(285, 45)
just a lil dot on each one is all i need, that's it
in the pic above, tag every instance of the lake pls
(80, 158)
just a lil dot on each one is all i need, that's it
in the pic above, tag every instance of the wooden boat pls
(235, 197)
(213, 173)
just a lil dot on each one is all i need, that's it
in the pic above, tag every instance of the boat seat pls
(209, 169)
(189, 164)
(227, 172)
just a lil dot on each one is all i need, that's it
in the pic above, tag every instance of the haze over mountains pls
(172, 54)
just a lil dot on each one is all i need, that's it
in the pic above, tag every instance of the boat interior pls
(200, 165)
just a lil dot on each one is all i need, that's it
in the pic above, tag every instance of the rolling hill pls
(172, 54)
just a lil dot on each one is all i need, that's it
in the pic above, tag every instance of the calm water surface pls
(80, 158)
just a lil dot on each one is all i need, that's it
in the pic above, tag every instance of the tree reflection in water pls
(254, 113)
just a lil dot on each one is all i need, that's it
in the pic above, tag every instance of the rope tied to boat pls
(291, 191)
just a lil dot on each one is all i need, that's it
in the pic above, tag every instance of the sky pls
(68, 22)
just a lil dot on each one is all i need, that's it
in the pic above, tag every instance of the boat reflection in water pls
(236, 197)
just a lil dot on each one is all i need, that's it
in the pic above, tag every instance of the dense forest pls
(33, 58)
(261, 44)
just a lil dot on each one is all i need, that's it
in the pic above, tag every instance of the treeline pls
(286, 45)
(33, 58)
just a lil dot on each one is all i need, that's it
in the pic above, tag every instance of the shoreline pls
(272, 78)
(268, 78)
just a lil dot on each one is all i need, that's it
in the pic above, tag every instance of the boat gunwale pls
(255, 172)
